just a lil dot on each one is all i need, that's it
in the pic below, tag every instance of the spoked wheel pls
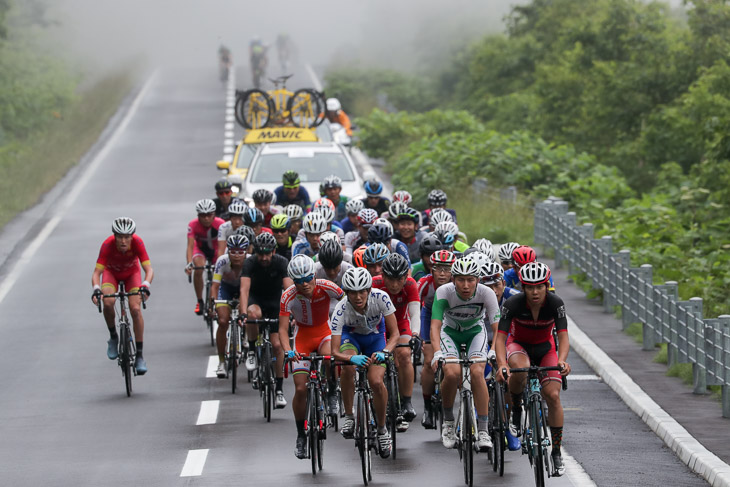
(467, 444)
(254, 109)
(266, 380)
(392, 418)
(232, 357)
(306, 108)
(498, 420)
(362, 440)
(312, 429)
(209, 321)
(125, 360)
(536, 448)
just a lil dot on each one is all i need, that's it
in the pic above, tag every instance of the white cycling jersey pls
(224, 272)
(319, 272)
(463, 314)
(379, 306)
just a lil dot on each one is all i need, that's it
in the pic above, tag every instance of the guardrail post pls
(560, 209)
(695, 353)
(478, 186)
(509, 194)
(725, 320)
(569, 251)
(670, 322)
(605, 244)
(623, 264)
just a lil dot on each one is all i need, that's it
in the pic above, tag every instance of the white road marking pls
(194, 463)
(228, 142)
(228, 134)
(212, 365)
(229, 111)
(66, 202)
(228, 150)
(230, 118)
(575, 473)
(230, 126)
(228, 157)
(208, 412)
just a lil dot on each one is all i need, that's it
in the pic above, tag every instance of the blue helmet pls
(373, 187)
(377, 252)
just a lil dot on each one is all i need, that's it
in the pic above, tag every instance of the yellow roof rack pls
(280, 134)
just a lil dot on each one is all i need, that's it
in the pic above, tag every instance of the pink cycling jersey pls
(205, 238)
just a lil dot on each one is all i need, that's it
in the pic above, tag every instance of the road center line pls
(212, 366)
(194, 463)
(208, 412)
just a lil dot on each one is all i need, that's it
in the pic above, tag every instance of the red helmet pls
(523, 255)
(443, 257)
(357, 256)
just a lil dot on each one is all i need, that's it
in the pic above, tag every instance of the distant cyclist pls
(259, 60)
(437, 199)
(202, 246)
(314, 225)
(263, 199)
(280, 228)
(359, 236)
(332, 189)
(254, 218)
(235, 210)
(335, 114)
(406, 222)
(291, 192)
(373, 257)
(428, 246)
(351, 221)
(224, 197)
(330, 263)
(295, 214)
(505, 254)
(374, 198)
(225, 61)
(119, 260)
(383, 233)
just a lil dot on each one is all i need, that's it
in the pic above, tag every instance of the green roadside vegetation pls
(620, 107)
(47, 121)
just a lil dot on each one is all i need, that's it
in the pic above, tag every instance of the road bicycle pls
(365, 425)
(416, 355)
(437, 409)
(265, 379)
(497, 420)
(234, 342)
(127, 350)
(394, 417)
(208, 311)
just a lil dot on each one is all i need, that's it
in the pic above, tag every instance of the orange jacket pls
(341, 118)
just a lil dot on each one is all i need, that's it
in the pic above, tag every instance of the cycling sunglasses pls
(291, 186)
(236, 252)
(279, 230)
(303, 280)
(225, 191)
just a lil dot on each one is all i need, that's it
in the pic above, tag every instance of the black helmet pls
(253, 216)
(330, 254)
(437, 198)
(223, 184)
(379, 233)
(430, 244)
(246, 231)
(395, 265)
(290, 178)
(264, 243)
(262, 196)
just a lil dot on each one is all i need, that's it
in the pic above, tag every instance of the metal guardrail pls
(690, 338)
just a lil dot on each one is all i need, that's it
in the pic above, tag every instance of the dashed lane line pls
(194, 463)
(212, 366)
(208, 412)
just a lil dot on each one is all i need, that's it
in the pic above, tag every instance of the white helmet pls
(403, 197)
(333, 105)
(329, 236)
(353, 207)
(206, 205)
(447, 227)
(385, 222)
(237, 207)
(294, 212)
(314, 223)
(356, 279)
(492, 273)
(465, 267)
(505, 251)
(300, 267)
(123, 226)
(479, 258)
(440, 215)
(326, 211)
(485, 247)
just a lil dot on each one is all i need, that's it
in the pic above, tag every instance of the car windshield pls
(311, 166)
(245, 155)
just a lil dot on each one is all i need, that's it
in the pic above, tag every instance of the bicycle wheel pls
(265, 380)
(498, 419)
(536, 445)
(232, 358)
(255, 110)
(547, 460)
(125, 357)
(312, 430)
(306, 108)
(361, 436)
(321, 434)
(467, 434)
(392, 418)
(209, 316)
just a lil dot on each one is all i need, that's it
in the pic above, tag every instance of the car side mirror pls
(223, 165)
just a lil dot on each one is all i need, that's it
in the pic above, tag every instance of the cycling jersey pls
(413, 246)
(205, 238)
(401, 301)
(310, 313)
(303, 247)
(508, 293)
(418, 271)
(463, 314)
(320, 274)
(381, 207)
(347, 225)
(301, 199)
(340, 210)
(378, 306)
(266, 281)
(225, 231)
(221, 211)
(122, 264)
(301, 234)
(512, 279)
(399, 247)
(224, 272)
(284, 250)
(517, 320)
(353, 240)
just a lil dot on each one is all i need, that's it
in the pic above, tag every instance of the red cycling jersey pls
(409, 294)
(426, 291)
(205, 238)
(122, 264)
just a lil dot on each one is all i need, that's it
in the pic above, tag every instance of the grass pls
(489, 217)
(31, 168)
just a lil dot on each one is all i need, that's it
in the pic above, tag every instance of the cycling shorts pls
(308, 342)
(227, 292)
(362, 344)
(426, 324)
(543, 354)
(131, 279)
(269, 309)
(209, 254)
(475, 339)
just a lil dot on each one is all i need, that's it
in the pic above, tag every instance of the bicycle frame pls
(364, 423)
(208, 312)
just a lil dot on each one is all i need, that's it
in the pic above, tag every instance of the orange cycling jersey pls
(342, 118)
(311, 312)
(122, 264)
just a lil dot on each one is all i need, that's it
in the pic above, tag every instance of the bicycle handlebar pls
(208, 267)
(262, 321)
(534, 369)
(463, 361)
(120, 295)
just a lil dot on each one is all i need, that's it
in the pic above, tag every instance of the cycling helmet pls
(327, 210)
(357, 256)
(264, 243)
(379, 233)
(290, 178)
(367, 216)
(534, 273)
(321, 189)
(246, 231)
(396, 209)
(395, 266)
(330, 254)
(480, 259)
(356, 279)
(505, 251)
(300, 267)
(353, 207)
(262, 196)
(445, 232)
(465, 267)
(440, 216)
(237, 242)
(253, 216)
(280, 222)
(443, 257)
(332, 181)
(409, 214)
(123, 226)
(222, 185)
(485, 247)
(327, 236)
(375, 253)
(333, 105)
(237, 207)
(373, 187)
(430, 244)
(437, 198)
(206, 205)
(314, 223)
(385, 222)
(492, 273)
(523, 255)
(403, 197)
(294, 212)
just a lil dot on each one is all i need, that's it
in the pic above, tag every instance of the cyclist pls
(505, 254)
(359, 324)
(335, 114)
(428, 246)
(407, 226)
(295, 214)
(359, 236)
(280, 228)
(437, 200)
(330, 264)
(493, 278)
(254, 218)
(263, 277)
(332, 190)
(529, 319)
(458, 316)
(119, 260)
(202, 246)
(308, 301)
(236, 211)
(437, 216)
(521, 256)
(247, 232)
(485, 247)
(441, 262)
(448, 232)
(314, 225)
(373, 258)
(327, 209)
(374, 200)
(357, 256)
(224, 197)
(403, 197)
(283, 50)
(225, 61)
(259, 59)
(403, 292)
(383, 233)
(291, 192)
(351, 221)
(226, 285)
(263, 199)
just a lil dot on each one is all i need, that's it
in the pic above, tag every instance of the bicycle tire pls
(306, 108)
(312, 431)
(547, 460)
(393, 408)
(265, 381)
(232, 358)
(361, 436)
(467, 443)
(255, 110)
(536, 446)
(125, 357)
(321, 433)
(500, 436)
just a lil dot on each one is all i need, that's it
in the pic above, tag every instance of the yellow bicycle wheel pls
(254, 109)
(306, 108)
